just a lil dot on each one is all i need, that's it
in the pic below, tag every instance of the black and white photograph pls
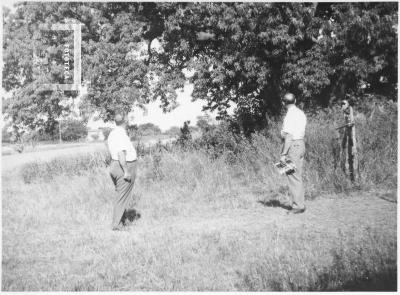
(199, 146)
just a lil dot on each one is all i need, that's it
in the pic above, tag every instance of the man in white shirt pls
(293, 130)
(123, 172)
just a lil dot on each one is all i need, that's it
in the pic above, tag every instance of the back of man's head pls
(289, 98)
(119, 118)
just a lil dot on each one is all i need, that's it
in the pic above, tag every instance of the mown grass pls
(204, 227)
(57, 236)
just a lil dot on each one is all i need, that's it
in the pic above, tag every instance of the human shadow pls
(274, 203)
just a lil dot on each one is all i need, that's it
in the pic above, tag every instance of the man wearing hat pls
(293, 130)
(123, 172)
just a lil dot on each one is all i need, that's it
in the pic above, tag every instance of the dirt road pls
(10, 162)
(49, 152)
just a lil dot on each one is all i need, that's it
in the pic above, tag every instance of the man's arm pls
(287, 140)
(122, 161)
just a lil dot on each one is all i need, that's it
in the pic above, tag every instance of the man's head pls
(119, 118)
(344, 105)
(288, 99)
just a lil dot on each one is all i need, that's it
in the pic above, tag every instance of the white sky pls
(186, 110)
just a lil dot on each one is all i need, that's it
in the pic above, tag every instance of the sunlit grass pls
(204, 226)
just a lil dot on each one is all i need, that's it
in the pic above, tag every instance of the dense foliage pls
(173, 131)
(185, 136)
(5, 134)
(72, 130)
(243, 55)
(149, 129)
(252, 52)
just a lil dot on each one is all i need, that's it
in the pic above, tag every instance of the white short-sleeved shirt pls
(118, 140)
(294, 123)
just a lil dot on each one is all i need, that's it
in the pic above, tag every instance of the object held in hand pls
(345, 125)
(285, 167)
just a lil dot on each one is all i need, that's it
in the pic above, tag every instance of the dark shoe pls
(132, 215)
(128, 223)
(297, 210)
(287, 207)
(120, 228)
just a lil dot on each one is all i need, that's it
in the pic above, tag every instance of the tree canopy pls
(149, 129)
(239, 54)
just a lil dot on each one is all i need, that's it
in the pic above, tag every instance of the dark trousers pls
(296, 154)
(125, 199)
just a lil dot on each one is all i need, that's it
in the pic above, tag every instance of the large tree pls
(248, 54)
(241, 54)
(111, 35)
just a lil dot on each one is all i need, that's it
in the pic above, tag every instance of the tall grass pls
(204, 226)
(66, 165)
(247, 164)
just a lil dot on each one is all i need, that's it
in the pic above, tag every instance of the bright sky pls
(9, 3)
(186, 110)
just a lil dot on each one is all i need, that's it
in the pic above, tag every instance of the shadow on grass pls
(274, 203)
(380, 282)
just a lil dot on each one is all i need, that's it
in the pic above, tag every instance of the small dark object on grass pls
(130, 216)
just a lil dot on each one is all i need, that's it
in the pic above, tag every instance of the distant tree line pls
(71, 130)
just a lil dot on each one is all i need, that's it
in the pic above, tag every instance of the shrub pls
(173, 131)
(185, 137)
(149, 129)
(5, 135)
(249, 161)
(73, 130)
(95, 136)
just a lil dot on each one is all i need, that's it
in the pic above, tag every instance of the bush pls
(148, 129)
(248, 162)
(72, 130)
(375, 120)
(173, 131)
(95, 136)
(5, 135)
(185, 137)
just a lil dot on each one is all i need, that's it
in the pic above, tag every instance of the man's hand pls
(283, 159)
(127, 176)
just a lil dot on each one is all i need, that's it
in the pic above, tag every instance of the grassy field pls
(208, 224)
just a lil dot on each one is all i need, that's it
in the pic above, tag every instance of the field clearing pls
(49, 152)
(9, 162)
(57, 237)
(211, 219)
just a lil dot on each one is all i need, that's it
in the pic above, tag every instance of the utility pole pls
(59, 130)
